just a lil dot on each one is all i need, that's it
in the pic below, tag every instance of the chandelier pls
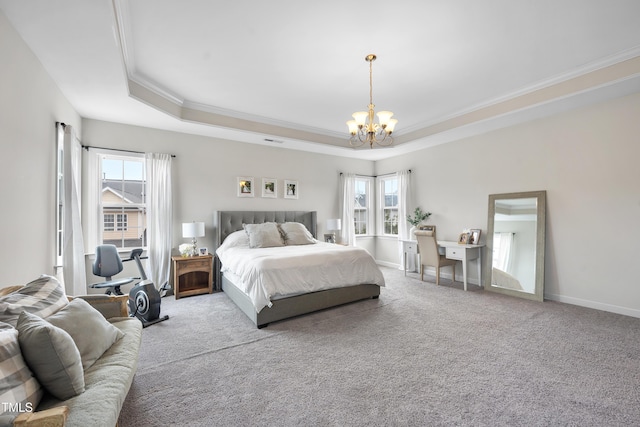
(363, 128)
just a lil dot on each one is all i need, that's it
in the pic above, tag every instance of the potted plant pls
(416, 219)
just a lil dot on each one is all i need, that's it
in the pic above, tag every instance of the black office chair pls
(108, 264)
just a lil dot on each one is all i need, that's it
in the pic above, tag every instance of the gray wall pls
(30, 105)
(586, 160)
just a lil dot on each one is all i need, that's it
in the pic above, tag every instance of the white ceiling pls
(294, 71)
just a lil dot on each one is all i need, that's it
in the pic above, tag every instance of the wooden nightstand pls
(192, 275)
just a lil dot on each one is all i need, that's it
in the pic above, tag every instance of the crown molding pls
(595, 81)
(587, 69)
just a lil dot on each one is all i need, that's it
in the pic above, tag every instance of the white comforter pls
(269, 273)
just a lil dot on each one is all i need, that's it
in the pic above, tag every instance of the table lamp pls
(333, 225)
(193, 230)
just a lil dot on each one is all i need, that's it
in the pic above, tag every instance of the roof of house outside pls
(130, 190)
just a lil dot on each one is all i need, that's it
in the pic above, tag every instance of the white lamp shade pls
(334, 224)
(384, 117)
(391, 125)
(192, 229)
(353, 127)
(360, 117)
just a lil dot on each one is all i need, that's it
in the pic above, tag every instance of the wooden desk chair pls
(429, 255)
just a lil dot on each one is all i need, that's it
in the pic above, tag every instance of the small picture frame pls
(291, 189)
(245, 186)
(431, 228)
(270, 188)
(474, 236)
(203, 251)
(330, 238)
(464, 238)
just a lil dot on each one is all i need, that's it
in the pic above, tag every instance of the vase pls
(412, 231)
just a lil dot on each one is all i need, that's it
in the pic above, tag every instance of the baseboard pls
(593, 304)
(389, 264)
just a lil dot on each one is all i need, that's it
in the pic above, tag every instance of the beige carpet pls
(420, 355)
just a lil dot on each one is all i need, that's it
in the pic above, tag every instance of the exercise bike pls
(144, 298)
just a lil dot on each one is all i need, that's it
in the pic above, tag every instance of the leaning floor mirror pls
(515, 244)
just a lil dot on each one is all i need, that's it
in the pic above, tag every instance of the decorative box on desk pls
(192, 275)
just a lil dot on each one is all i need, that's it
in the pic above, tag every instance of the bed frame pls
(226, 222)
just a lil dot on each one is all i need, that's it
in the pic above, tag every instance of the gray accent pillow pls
(52, 356)
(265, 235)
(42, 297)
(296, 233)
(18, 385)
(91, 332)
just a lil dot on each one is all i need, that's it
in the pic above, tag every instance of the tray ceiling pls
(290, 73)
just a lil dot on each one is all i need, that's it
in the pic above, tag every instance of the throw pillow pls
(296, 234)
(266, 235)
(42, 297)
(91, 332)
(52, 356)
(235, 239)
(19, 389)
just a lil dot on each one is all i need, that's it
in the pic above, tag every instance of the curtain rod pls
(86, 147)
(372, 176)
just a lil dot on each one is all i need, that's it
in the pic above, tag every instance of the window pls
(123, 201)
(362, 209)
(109, 222)
(388, 202)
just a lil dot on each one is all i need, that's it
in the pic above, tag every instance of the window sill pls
(387, 237)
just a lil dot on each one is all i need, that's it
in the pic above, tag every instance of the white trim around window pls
(391, 197)
(364, 212)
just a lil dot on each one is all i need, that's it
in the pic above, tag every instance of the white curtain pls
(347, 202)
(94, 192)
(503, 251)
(73, 262)
(159, 217)
(404, 194)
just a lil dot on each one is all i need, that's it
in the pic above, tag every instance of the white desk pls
(453, 250)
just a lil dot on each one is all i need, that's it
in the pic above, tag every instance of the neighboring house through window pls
(123, 201)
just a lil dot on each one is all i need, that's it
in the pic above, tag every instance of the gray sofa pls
(107, 381)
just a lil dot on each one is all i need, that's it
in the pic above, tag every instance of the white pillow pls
(265, 235)
(235, 239)
(296, 234)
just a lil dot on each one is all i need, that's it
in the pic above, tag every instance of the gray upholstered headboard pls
(226, 222)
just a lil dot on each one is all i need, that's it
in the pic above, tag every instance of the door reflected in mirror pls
(517, 223)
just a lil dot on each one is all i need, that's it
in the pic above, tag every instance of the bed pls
(259, 302)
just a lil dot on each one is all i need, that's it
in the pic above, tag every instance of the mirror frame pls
(541, 197)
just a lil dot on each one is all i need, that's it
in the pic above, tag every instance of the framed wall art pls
(270, 188)
(245, 186)
(291, 189)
